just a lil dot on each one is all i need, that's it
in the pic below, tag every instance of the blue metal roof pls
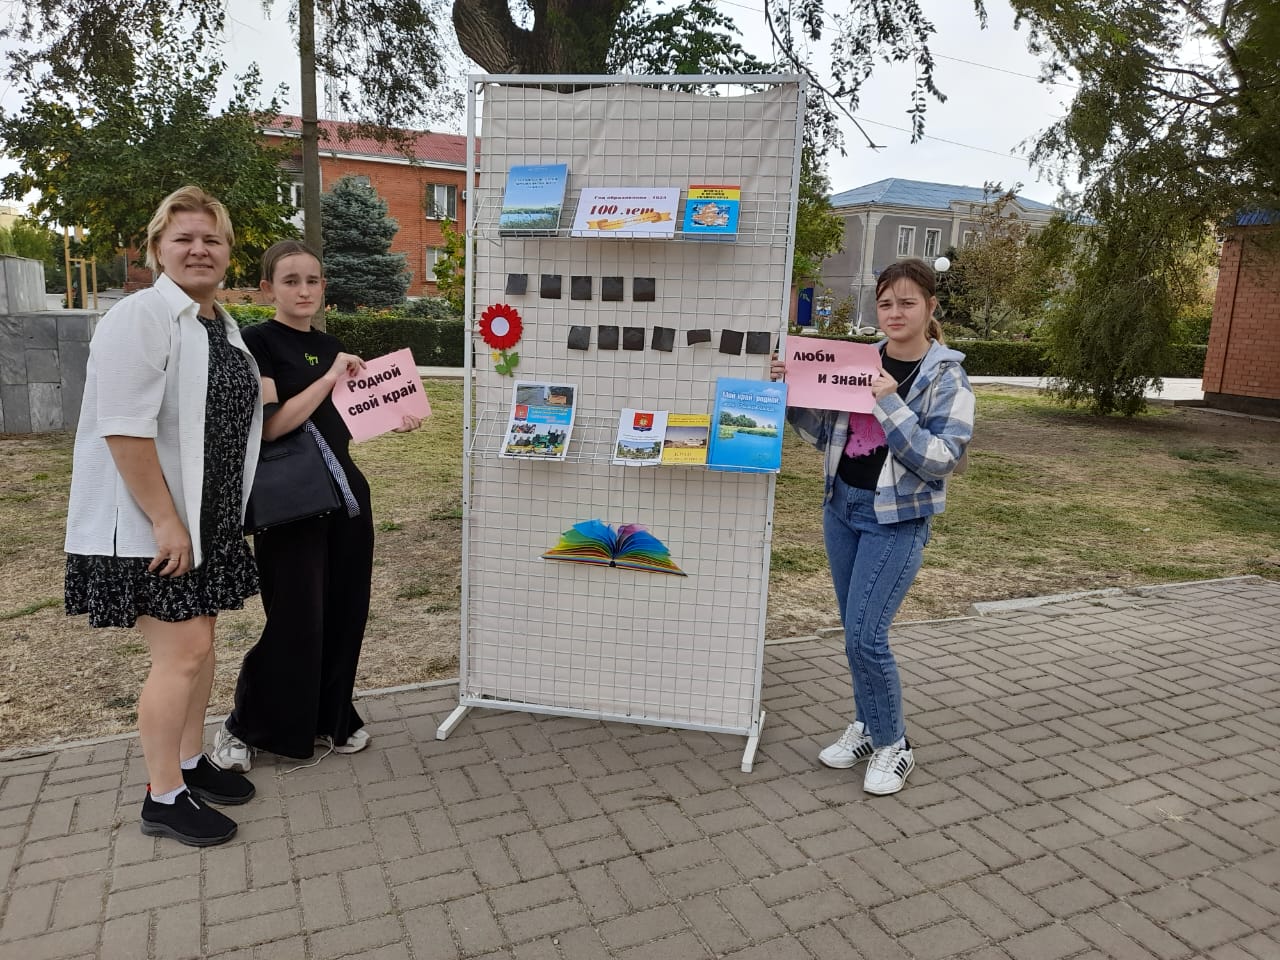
(896, 192)
(1258, 218)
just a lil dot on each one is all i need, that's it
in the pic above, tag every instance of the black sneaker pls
(214, 785)
(187, 820)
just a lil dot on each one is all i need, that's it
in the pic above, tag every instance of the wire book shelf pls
(587, 640)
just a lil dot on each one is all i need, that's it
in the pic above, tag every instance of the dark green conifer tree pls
(357, 236)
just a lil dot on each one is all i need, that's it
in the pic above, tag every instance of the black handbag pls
(292, 483)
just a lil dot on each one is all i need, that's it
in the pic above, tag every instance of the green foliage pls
(432, 308)
(369, 333)
(1173, 131)
(357, 236)
(1001, 282)
(1108, 336)
(867, 33)
(26, 238)
(435, 341)
(246, 314)
(1193, 323)
(451, 269)
(819, 229)
(695, 37)
(103, 156)
(1003, 358)
(1186, 360)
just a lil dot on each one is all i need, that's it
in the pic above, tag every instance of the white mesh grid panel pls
(565, 637)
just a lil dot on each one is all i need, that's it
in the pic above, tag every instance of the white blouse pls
(147, 377)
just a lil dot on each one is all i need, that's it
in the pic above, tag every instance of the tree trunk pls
(311, 231)
(568, 36)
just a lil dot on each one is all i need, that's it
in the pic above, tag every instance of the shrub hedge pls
(1023, 358)
(372, 333)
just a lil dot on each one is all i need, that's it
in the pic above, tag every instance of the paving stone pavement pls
(1097, 778)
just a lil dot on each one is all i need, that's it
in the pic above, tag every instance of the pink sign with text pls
(375, 400)
(831, 374)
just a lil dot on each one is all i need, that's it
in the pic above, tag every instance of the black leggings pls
(297, 681)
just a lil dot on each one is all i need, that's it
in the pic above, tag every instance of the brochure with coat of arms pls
(640, 435)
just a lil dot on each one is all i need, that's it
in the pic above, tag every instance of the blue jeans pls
(872, 567)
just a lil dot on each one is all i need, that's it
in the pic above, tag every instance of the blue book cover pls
(533, 198)
(711, 212)
(746, 425)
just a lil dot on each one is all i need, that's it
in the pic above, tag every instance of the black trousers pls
(297, 681)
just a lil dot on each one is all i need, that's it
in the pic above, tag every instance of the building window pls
(441, 202)
(434, 256)
(932, 243)
(968, 239)
(292, 194)
(361, 179)
(906, 241)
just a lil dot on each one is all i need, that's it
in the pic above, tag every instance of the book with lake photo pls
(746, 425)
(533, 198)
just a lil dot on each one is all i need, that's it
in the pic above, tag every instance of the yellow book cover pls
(685, 443)
(707, 191)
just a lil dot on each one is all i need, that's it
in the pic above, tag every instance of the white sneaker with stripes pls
(852, 748)
(888, 770)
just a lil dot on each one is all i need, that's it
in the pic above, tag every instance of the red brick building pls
(423, 182)
(1242, 365)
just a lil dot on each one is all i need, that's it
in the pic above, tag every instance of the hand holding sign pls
(385, 395)
(830, 374)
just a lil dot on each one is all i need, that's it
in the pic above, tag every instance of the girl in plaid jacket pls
(886, 476)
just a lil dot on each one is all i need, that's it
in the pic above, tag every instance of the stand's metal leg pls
(753, 741)
(455, 718)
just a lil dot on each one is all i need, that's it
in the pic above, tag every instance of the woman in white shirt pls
(164, 459)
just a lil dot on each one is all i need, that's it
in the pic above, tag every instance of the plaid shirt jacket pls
(927, 433)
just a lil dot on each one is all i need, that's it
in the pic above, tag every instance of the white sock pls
(191, 762)
(901, 744)
(167, 798)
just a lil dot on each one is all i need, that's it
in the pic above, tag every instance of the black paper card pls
(579, 338)
(633, 338)
(551, 286)
(699, 336)
(580, 288)
(664, 339)
(607, 337)
(517, 283)
(644, 289)
(731, 342)
(611, 288)
(759, 342)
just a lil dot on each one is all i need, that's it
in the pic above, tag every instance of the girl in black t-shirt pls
(296, 684)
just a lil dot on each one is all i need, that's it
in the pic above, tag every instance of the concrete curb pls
(992, 608)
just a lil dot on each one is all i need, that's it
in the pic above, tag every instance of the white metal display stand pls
(608, 643)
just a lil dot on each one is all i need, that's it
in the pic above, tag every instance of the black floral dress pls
(115, 591)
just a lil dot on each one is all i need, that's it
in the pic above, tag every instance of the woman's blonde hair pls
(922, 275)
(188, 199)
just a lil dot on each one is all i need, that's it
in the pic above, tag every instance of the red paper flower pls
(500, 326)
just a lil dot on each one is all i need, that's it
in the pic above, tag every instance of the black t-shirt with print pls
(295, 360)
(864, 472)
